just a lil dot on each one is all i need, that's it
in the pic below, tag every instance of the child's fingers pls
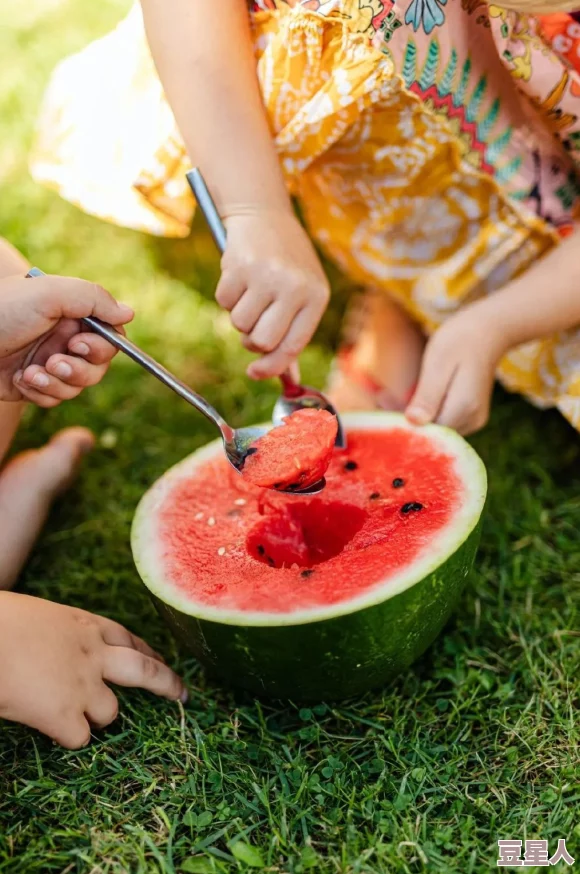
(247, 344)
(299, 335)
(294, 371)
(466, 406)
(250, 308)
(115, 634)
(230, 289)
(35, 378)
(103, 707)
(36, 397)
(127, 667)
(273, 325)
(434, 381)
(75, 372)
(70, 730)
(92, 348)
(60, 297)
(453, 413)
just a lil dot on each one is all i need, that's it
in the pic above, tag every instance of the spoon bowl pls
(239, 445)
(296, 397)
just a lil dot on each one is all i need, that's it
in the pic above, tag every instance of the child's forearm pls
(203, 53)
(543, 301)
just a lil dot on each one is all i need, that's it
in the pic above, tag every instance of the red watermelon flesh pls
(228, 546)
(296, 454)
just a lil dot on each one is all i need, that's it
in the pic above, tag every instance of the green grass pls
(479, 742)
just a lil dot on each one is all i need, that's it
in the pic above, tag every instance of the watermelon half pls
(321, 597)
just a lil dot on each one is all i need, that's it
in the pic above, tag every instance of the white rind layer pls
(469, 468)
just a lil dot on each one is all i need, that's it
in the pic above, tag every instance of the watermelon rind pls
(333, 651)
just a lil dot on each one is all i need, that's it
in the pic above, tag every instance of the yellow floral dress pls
(432, 145)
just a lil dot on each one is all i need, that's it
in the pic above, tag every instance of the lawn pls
(478, 742)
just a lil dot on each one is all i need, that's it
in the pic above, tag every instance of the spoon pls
(237, 441)
(294, 396)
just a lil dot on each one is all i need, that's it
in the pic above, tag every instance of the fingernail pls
(18, 376)
(63, 370)
(184, 697)
(40, 380)
(417, 415)
(80, 349)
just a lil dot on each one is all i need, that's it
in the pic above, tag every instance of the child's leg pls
(379, 364)
(30, 482)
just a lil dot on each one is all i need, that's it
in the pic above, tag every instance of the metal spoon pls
(294, 396)
(237, 441)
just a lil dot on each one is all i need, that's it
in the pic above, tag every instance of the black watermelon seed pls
(307, 573)
(412, 507)
(375, 496)
(277, 485)
(398, 483)
(270, 561)
(261, 550)
(350, 465)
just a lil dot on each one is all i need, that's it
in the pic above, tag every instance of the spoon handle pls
(116, 339)
(207, 205)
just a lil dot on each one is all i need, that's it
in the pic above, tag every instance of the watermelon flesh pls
(234, 547)
(294, 455)
(321, 597)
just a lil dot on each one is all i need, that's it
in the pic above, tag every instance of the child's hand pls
(274, 287)
(56, 661)
(458, 371)
(44, 355)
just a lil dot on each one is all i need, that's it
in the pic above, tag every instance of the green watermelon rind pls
(334, 652)
(335, 658)
(442, 548)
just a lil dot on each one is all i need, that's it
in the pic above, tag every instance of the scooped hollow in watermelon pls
(294, 455)
(322, 597)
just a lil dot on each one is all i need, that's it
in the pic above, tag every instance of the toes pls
(28, 485)
(58, 461)
(76, 441)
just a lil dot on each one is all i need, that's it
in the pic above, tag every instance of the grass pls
(478, 742)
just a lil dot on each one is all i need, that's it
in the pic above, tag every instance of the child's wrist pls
(498, 324)
(281, 209)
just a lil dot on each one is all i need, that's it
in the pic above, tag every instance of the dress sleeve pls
(542, 55)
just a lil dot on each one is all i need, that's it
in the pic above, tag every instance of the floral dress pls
(433, 145)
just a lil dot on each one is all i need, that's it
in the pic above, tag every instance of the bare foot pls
(28, 486)
(381, 367)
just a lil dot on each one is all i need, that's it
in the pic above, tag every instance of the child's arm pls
(45, 356)
(272, 281)
(56, 662)
(461, 358)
